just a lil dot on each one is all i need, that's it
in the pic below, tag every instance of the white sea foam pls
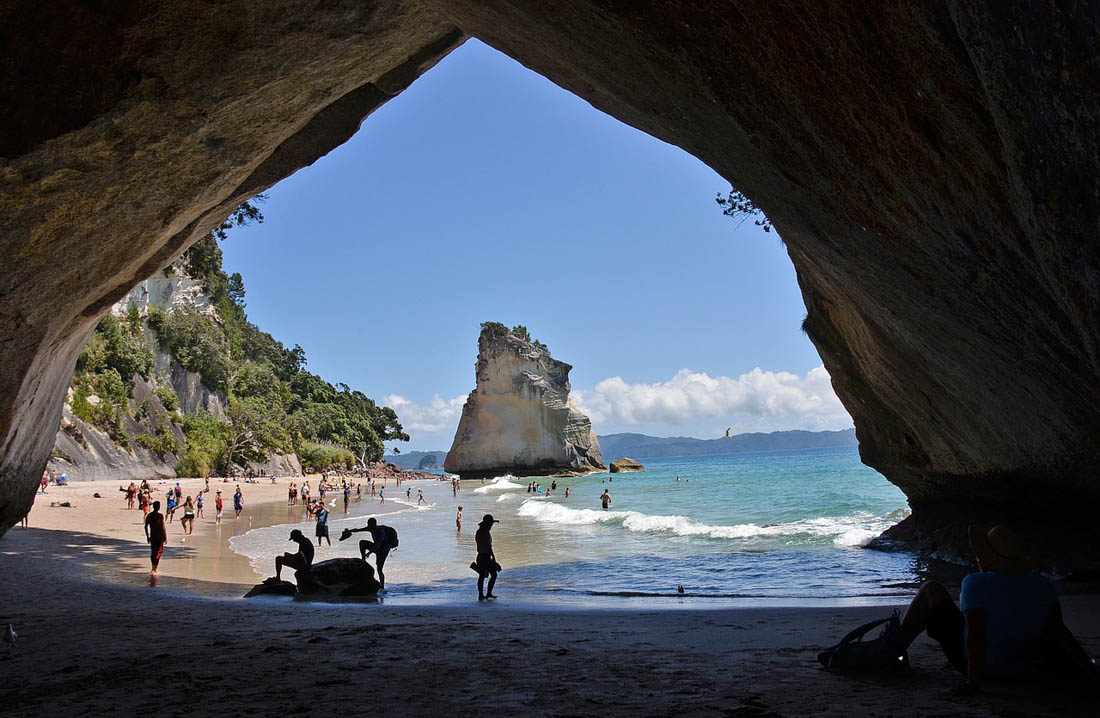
(506, 497)
(846, 531)
(500, 483)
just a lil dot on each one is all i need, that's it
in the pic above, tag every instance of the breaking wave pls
(500, 483)
(845, 531)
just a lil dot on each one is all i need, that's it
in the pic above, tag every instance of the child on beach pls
(321, 514)
(238, 502)
(198, 504)
(218, 507)
(458, 519)
(187, 523)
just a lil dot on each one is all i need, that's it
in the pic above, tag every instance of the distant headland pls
(640, 445)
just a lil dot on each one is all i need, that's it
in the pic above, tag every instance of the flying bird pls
(728, 431)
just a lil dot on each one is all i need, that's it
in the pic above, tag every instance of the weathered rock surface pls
(89, 454)
(274, 588)
(335, 578)
(338, 577)
(520, 420)
(625, 465)
(933, 169)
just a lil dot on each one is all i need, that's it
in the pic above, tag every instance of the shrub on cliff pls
(117, 346)
(168, 397)
(198, 344)
(163, 444)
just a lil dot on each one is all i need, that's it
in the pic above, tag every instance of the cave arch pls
(933, 170)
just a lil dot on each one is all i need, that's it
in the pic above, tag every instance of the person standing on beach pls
(605, 499)
(486, 561)
(321, 514)
(458, 519)
(238, 501)
(187, 523)
(420, 497)
(156, 535)
(198, 504)
(382, 494)
(347, 498)
(218, 506)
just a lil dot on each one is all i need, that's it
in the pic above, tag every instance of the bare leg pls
(492, 582)
(381, 561)
(933, 610)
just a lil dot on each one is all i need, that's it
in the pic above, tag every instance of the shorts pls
(156, 548)
(295, 560)
(322, 530)
(486, 565)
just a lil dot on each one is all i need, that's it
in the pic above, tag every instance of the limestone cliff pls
(520, 420)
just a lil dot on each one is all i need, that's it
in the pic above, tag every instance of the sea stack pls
(520, 420)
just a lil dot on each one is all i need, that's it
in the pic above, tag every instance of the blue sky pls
(485, 192)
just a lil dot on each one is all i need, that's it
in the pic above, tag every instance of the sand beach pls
(96, 638)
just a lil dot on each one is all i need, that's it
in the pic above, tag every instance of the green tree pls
(428, 461)
(736, 204)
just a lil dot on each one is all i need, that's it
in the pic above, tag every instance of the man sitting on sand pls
(155, 534)
(1008, 623)
(385, 539)
(300, 561)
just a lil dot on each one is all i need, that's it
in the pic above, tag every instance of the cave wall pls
(130, 129)
(931, 166)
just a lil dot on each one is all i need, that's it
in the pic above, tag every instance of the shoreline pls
(86, 647)
(87, 615)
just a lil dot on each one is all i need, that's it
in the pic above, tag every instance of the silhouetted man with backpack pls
(385, 539)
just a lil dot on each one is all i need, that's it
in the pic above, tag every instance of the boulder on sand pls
(274, 588)
(337, 577)
(625, 465)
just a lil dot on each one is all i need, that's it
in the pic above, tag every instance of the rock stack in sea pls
(520, 419)
(625, 465)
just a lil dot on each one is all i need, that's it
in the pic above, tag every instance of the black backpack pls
(391, 537)
(881, 655)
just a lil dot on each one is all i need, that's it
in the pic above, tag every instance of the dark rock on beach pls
(335, 578)
(338, 577)
(278, 588)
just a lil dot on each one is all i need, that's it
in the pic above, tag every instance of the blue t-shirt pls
(1016, 608)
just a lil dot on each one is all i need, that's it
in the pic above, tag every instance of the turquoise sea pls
(773, 526)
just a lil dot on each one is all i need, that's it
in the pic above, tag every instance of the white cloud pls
(696, 402)
(438, 415)
(761, 399)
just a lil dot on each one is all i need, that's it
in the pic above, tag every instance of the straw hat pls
(488, 520)
(1000, 549)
